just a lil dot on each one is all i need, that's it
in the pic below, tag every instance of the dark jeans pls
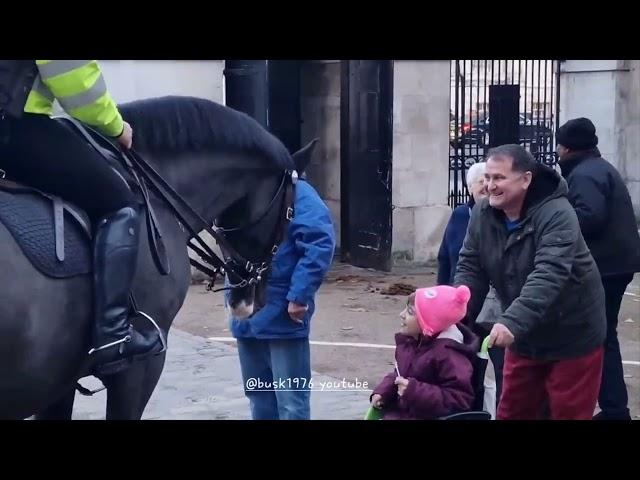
(276, 375)
(613, 399)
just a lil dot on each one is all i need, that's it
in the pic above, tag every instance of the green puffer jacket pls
(543, 273)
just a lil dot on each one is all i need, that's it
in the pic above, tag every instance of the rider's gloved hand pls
(126, 137)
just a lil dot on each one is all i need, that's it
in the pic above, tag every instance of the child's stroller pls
(476, 412)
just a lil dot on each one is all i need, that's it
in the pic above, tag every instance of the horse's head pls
(231, 171)
(257, 223)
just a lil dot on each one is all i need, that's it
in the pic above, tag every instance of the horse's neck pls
(208, 183)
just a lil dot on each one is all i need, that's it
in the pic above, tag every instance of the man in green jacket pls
(525, 240)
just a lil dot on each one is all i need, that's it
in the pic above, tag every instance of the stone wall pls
(420, 158)
(320, 105)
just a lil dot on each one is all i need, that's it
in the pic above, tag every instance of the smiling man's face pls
(505, 187)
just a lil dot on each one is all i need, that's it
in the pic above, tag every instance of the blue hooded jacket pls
(452, 242)
(297, 271)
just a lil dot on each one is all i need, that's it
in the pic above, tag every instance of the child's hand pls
(376, 401)
(402, 383)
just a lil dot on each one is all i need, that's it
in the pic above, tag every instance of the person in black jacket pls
(603, 206)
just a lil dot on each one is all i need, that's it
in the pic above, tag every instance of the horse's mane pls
(180, 124)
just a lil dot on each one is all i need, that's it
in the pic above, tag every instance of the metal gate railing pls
(469, 119)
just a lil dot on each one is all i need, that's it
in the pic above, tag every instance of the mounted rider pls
(42, 153)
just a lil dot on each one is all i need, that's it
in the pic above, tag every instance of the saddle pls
(54, 234)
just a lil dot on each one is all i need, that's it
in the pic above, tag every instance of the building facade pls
(385, 162)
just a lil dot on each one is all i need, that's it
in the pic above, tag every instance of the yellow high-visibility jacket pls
(80, 88)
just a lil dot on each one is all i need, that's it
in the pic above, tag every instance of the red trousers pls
(571, 387)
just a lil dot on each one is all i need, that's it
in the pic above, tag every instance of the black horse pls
(230, 171)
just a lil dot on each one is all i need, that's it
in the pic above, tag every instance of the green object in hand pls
(484, 349)
(374, 414)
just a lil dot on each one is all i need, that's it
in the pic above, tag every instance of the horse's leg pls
(129, 391)
(152, 375)
(124, 390)
(62, 409)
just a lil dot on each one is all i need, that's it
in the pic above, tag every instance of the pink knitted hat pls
(437, 308)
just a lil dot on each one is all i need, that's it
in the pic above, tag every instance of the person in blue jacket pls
(273, 343)
(457, 227)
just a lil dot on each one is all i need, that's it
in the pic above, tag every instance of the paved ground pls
(353, 308)
(202, 381)
(202, 378)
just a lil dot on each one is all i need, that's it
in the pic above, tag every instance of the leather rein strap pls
(244, 271)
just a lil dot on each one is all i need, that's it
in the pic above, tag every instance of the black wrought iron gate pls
(522, 96)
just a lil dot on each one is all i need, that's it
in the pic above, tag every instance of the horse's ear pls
(303, 156)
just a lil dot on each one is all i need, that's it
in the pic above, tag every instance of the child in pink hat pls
(435, 355)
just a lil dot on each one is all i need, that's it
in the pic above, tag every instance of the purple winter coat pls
(439, 371)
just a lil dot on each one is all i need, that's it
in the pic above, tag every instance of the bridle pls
(243, 272)
(287, 185)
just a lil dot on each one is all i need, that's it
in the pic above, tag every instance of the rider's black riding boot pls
(115, 342)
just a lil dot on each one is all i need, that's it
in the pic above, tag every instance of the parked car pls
(463, 129)
(533, 132)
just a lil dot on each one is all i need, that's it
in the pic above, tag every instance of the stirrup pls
(157, 327)
(109, 345)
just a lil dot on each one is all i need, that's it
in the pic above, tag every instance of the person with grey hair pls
(448, 258)
(457, 227)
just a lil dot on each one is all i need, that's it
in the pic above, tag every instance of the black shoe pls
(116, 343)
(604, 416)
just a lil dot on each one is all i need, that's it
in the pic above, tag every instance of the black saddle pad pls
(29, 218)
(28, 215)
